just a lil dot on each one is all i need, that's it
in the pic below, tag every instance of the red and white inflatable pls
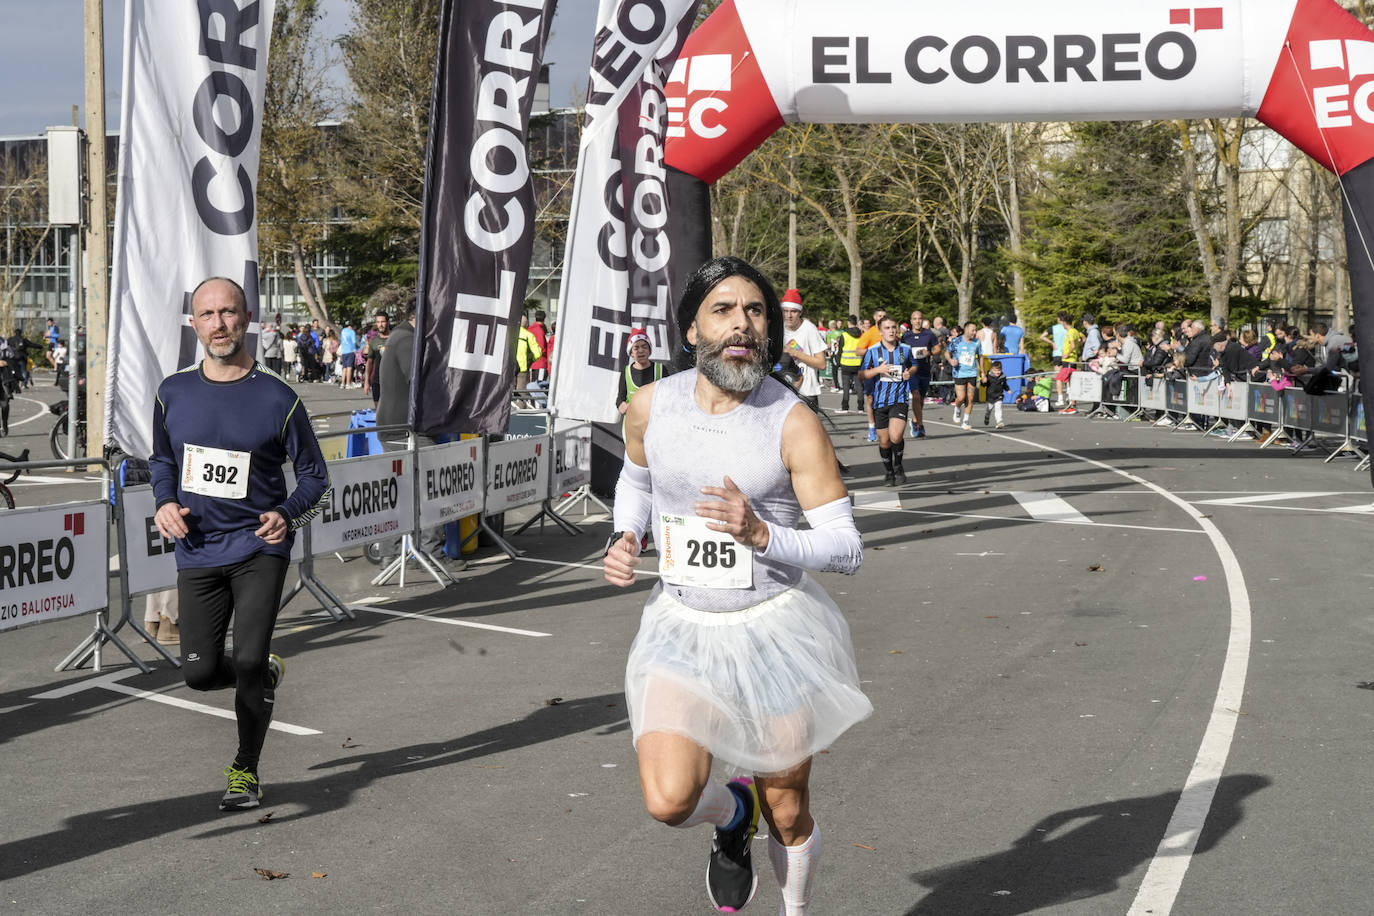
(1304, 67)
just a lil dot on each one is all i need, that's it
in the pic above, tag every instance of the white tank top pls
(688, 448)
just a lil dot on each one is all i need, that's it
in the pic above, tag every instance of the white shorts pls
(762, 688)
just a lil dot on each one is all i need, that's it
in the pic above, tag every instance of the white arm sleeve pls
(634, 499)
(832, 544)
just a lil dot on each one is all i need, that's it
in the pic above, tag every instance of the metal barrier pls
(1236, 408)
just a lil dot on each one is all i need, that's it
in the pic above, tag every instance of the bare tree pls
(389, 56)
(832, 170)
(295, 190)
(945, 179)
(1220, 218)
(23, 210)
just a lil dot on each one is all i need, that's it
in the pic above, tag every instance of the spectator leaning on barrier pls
(1197, 352)
(1234, 361)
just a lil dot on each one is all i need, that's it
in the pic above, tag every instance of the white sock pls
(795, 867)
(717, 805)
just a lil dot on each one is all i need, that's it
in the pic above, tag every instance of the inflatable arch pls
(1303, 67)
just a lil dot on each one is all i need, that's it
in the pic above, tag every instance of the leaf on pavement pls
(318, 874)
(553, 701)
(266, 817)
(270, 875)
(1096, 567)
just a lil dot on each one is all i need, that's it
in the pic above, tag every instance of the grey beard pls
(231, 351)
(728, 375)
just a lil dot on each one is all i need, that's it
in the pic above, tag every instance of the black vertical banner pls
(1357, 190)
(477, 227)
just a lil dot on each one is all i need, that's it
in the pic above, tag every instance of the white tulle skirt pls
(762, 689)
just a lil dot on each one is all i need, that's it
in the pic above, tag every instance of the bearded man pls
(740, 656)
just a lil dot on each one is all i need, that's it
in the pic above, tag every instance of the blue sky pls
(41, 66)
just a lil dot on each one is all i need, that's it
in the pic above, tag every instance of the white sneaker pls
(966, 425)
(956, 418)
(1001, 426)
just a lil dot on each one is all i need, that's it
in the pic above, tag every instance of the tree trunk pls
(1018, 280)
(303, 284)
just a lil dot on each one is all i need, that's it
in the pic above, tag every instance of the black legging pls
(250, 592)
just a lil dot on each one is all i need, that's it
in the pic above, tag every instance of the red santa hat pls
(636, 335)
(792, 299)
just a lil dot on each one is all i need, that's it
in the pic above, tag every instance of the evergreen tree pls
(1108, 232)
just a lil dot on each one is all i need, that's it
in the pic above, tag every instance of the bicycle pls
(58, 439)
(5, 493)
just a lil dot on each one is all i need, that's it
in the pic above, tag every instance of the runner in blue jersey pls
(221, 431)
(966, 356)
(888, 367)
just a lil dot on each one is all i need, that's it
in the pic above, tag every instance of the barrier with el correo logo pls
(53, 562)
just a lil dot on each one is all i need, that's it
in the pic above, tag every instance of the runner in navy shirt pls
(221, 431)
(924, 344)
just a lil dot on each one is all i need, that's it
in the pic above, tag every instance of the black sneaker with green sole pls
(730, 878)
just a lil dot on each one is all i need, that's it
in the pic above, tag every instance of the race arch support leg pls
(1358, 190)
(689, 234)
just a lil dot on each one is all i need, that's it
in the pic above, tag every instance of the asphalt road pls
(1052, 623)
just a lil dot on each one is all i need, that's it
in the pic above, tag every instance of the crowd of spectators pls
(1320, 360)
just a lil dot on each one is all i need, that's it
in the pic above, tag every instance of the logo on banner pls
(75, 523)
(702, 79)
(1335, 104)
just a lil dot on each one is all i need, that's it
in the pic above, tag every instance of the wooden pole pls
(97, 231)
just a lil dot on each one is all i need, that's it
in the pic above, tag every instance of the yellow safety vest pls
(849, 355)
(631, 387)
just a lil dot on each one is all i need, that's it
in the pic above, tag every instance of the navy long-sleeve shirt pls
(259, 414)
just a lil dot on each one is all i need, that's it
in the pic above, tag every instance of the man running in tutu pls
(740, 656)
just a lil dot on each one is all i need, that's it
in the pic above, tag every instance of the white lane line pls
(447, 620)
(1359, 510)
(1049, 507)
(877, 499)
(42, 411)
(1265, 498)
(1035, 521)
(111, 683)
(1164, 877)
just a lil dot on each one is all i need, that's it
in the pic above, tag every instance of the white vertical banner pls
(194, 79)
(615, 274)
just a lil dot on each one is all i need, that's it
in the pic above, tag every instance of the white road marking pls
(1358, 510)
(111, 683)
(1164, 877)
(1033, 521)
(594, 566)
(447, 620)
(877, 499)
(42, 412)
(1049, 507)
(1264, 498)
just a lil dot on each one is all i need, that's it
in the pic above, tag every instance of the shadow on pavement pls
(1074, 855)
(112, 828)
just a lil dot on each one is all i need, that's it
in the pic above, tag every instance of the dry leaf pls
(318, 874)
(348, 742)
(1096, 567)
(989, 616)
(869, 848)
(895, 652)
(266, 817)
(270, 875)
(1080, 644)
(553, 701)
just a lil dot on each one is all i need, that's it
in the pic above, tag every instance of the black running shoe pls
(889, 479)
(243, 792)
(730, 878)
(901, 478)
